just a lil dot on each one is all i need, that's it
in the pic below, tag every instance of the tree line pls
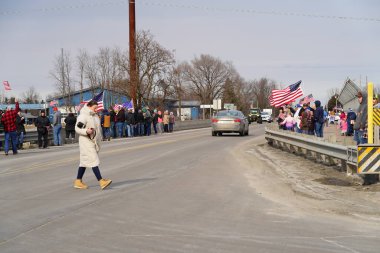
(160, 76)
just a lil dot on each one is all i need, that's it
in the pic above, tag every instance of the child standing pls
(343, 126)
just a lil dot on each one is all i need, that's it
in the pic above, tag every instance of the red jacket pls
(9, 119)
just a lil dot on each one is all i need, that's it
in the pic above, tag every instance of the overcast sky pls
(260, 37)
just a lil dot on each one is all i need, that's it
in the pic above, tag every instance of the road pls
(180, 192)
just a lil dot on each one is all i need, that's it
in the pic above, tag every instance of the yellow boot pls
(78, 184)
(104, 183)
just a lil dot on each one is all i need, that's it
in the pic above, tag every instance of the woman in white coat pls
(89, 131)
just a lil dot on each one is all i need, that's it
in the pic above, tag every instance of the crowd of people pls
(117, 122)
(304, 118)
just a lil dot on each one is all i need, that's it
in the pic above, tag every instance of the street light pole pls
(132, 53)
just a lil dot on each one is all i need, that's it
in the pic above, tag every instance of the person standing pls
(147, 122)
(113, 118)
(351, 117)
(319, 119)
(20, 122)
(140, 122)
(130, 120)
(159, 122)
(166, 121)
(43, 124)
(171, 122)
(57, 127)
(70, 122)
(9, 121)
(120, 120)
(361, 119)
(89, 130)
(105, 122)
(155, 120)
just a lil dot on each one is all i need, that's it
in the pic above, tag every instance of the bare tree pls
(62, 75)
(207, 76)
(261, 90)
(82, 60)
(31, 96)
(153, 61)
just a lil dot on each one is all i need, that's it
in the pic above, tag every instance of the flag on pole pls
(307, 99)
(53, 103)
(128, 105)
(7, 86)
(287, 95)
(98, 98)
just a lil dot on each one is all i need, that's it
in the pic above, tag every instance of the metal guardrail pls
(347, 155)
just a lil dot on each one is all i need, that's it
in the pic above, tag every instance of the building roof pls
(84, 91)
(188, 103)
(24, 106)
(348, 94)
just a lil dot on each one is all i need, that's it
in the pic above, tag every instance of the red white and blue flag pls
(7, 86)
(307, 99)
(287, 95)
(98, 98)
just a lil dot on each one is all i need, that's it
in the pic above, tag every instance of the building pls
(347, 96)
(70, 102)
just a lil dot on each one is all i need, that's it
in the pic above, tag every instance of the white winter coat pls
(89, 148)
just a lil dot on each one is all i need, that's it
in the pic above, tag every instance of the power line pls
(191, 7)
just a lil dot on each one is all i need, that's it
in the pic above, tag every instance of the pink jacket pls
(288, 121)
(343, 125)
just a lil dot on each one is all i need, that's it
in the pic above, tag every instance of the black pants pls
(70, 132)
(43, 135)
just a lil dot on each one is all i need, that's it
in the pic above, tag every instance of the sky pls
(283, 40)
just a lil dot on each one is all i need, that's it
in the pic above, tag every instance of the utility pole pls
(132, 53)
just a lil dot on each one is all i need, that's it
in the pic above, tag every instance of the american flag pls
(7, 86)
(287, 95)
(307, 99)
(98, 98)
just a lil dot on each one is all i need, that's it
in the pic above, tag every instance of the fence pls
(323, 151)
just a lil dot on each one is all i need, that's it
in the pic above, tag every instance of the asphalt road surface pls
(180, 192)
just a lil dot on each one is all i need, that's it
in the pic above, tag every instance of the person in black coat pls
(20, 122)
(140, 122)
(43, 125)
(351, 117)
(70, 122)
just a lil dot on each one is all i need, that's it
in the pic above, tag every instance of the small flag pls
(128, 105)
(7, 86)
(307, 99)
(53, 103)
(287, 95)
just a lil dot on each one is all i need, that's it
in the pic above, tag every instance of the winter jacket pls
(288, 121)
(70, 122)
(120, 116)
(140, 117)
(9, 119)
(20, 122)
(88, 147)
(171, 119)
(57, 119)
(42, 123)
(361, 116)
(130, 118)
(166, 119)
(319, 113)
(304, 121)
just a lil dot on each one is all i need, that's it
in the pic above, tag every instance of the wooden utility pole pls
(132, 53)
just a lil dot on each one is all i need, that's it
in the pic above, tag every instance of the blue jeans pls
(112, 130)
(148, 128)
(57, 134)
(140, 129)
(10, 136)
(106, 133)
(129, 130)
(319, 129)
(20, 139)
(119, 127)
(359, 137)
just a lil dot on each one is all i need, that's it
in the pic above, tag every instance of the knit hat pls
(9, 108)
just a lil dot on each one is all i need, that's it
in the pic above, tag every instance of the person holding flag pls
(9, 121)
(90, 135)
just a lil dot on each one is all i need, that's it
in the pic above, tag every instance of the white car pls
(266, 117)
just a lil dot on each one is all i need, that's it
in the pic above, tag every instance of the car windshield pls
(254, 111)
(228, 113)
(264, 113)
